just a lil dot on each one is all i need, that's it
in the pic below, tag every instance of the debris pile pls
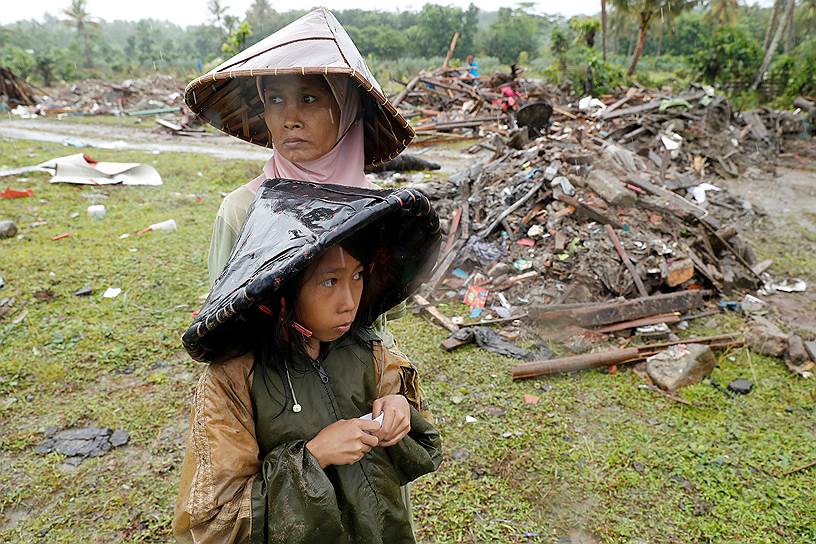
(14, 91)
(599, 199)
(156, 94)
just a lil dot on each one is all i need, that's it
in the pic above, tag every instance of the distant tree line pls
(723, 42)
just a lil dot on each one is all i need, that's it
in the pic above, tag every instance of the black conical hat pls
(289, 223)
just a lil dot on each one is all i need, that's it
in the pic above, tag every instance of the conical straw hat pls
(227, 96)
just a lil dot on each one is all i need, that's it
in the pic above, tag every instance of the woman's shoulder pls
(235, 206)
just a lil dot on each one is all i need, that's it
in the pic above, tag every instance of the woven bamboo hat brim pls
(316, 44)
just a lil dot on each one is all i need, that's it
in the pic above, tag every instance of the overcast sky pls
(191, 12)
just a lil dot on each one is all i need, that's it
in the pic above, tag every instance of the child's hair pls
(275, 338)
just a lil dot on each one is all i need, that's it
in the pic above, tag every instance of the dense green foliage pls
(720, 42)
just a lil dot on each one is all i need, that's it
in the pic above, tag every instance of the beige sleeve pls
(228, 222)
(221, 462)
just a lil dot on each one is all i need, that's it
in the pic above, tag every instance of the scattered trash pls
(476, 297)
(84, 291)
(795, 285)
(164, 226)
(470, 419)
(485, 338)
(531, 399)
(751, 304)
(16, 193)
(61, 236)
(111, 292)
(79, 444)
(97, 211)
(698, 192)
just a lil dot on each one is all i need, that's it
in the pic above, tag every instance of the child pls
(277, 452)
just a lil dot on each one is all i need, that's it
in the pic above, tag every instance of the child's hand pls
(343, 442)
(397, 420)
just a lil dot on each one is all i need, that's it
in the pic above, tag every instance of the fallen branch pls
(610, 232)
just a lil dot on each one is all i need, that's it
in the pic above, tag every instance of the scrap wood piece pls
(733, 250)
(431, 310)
(673, 317)
(626, 261)
(443, 266)
(590, 211)
(169, 124)
(516, 205)
(617, 356)
(605, 313)
(672, 197)
(648, 106)
(408, 88)
(451, 49)
(457, 216)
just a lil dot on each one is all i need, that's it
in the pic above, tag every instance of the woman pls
(326, 117)
(277, 449)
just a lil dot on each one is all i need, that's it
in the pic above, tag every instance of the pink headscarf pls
(344, 163)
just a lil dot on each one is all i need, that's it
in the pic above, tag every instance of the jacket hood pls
(287, 226)
(227, 96)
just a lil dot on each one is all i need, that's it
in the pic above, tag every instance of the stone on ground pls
(680, 365)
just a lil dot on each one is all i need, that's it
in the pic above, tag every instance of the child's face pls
(302, 116)
(330, 295)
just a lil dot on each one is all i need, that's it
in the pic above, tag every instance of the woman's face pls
(302, 116)
(330, 295)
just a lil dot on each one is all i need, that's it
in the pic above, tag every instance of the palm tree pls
(723, 12)
(789, 30)
(218, 12)
(777, 37)
(603, 28)
(81, 20)
(777, 7)
(644, 11)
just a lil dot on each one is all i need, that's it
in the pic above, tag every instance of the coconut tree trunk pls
(789, 30)
(603, 28)
(777, 37)
(772, 24)
(644, 27)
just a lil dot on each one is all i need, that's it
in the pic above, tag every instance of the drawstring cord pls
(296, 408)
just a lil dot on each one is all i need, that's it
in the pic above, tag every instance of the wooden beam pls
(606, 313)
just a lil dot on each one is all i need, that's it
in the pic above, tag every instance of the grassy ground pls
(597, 453)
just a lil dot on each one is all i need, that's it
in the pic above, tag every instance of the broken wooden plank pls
(175, 127)
(516, 205)
(610, 232)
(590, 211)
(606, 313)
(408, 88)
(673, 317)
(457, 216)
(438, 316)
